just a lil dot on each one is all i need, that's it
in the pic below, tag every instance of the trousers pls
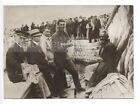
(63, 61)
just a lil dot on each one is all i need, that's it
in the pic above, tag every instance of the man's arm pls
(57, 45)
(13, 68)
(66, 45)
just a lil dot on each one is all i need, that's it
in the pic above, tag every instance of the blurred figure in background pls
(79, 29)
(97, 26)
(83, 27)
(32, 26)
(42, 27)
(69, 27)
(89, 28)
(75, 27)
(53, 27)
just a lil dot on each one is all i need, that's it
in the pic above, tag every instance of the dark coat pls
(108, 65)
(36, 56)
(97, 27)
(14, 57)
(108, 54)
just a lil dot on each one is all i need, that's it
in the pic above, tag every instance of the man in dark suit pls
(108, 64)
(36, 56)
(97, 26)
(14, 58)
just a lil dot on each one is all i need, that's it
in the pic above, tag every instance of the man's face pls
(18, 39)
(102, 40)
(36, 39)
(61, 26)
(22, 42)
(47, 33)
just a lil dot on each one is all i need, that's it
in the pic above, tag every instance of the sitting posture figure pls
(108, 64)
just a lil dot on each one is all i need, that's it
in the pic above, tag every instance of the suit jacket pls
(108, 65)
(35, 55)
(108, 54)
(14, 57)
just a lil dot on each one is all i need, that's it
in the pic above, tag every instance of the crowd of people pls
(78, 27)
(53, 58)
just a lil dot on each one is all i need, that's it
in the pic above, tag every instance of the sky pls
(15, 16)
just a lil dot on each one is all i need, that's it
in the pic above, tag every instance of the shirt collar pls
(18, 44)
(35, 43)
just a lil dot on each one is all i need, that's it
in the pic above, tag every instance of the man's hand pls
(50, 62)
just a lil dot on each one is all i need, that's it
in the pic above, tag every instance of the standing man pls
(32, 26)
(97, 26)
(36, 56)
(60, 43)
(83, 27)
(42, 27)
(89, 28)
(14, 58)
(75, 27)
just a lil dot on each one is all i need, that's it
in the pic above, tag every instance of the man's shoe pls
(63, 95)
(67, 87)
(80, 89)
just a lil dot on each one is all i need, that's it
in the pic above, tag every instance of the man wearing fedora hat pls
(36, 56)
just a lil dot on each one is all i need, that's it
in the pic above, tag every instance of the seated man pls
(108, 63)
(14, 58)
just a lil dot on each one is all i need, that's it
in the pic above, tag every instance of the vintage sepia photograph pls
(68, 52)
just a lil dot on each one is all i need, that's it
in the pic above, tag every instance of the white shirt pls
(45, 46)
